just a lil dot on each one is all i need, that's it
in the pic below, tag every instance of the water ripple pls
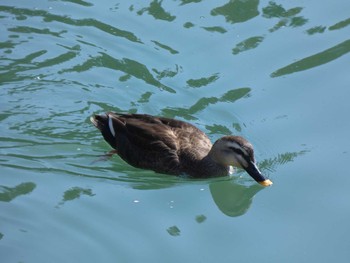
(88, 22)
(315, 60)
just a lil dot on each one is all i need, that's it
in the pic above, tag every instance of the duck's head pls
(237, 151)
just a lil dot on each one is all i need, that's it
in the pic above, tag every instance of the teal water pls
(275, 72)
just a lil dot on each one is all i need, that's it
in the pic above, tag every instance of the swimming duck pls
(175, 147)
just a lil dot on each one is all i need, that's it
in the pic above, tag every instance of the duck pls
(175, 147)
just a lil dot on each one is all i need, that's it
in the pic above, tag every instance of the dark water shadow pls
(204, 102)
(185, 2)
(287, 17)
(156, 10)
(237, 11)
(7, 194)
(197, 83)
(79, 2)
(73, 194)
(165, 47)
(314, 60)
(247, 44)
(131, 68)
(340, 25)
(88, 22)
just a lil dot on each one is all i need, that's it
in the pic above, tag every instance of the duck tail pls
(105, 124)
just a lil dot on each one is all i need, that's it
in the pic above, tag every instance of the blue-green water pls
(274, 72)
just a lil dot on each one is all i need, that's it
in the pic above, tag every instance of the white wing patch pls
(231, 170)
(110, 125)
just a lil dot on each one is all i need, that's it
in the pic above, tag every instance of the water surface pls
(275, 72)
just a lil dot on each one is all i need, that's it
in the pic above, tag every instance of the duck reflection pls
(231, 198)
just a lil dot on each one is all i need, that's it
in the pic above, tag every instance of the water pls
(274, 72)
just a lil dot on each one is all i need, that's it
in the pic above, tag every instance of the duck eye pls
(237, 150)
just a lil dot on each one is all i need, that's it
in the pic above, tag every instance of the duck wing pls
(144, 131)
(175, 134)
(157, 143)
(141, 140)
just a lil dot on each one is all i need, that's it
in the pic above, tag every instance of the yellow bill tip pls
(267, 182)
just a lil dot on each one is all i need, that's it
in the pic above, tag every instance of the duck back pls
(161, 144)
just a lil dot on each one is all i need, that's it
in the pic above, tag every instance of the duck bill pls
(254, 172)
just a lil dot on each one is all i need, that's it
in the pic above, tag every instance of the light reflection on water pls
(214, 64)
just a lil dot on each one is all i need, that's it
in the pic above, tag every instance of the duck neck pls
(211, 168)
